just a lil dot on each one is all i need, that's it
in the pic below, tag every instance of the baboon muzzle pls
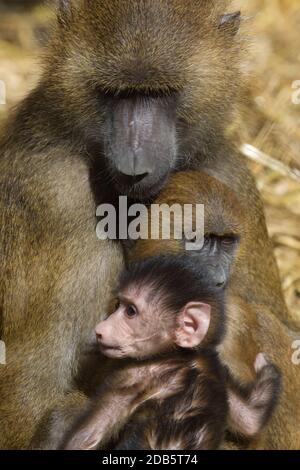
(142, 137)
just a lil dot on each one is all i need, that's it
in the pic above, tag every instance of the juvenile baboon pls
(131, 91)
(253, 300)
(169, 319)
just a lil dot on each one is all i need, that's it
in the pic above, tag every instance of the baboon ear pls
(230, 22)
(193, 324)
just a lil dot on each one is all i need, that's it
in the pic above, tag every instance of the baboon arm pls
(252, 406)
(197, 433)
(54, 425)
(102, 422)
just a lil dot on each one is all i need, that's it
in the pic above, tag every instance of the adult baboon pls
(131, 91)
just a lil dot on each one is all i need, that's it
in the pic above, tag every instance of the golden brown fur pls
(55, 276)
(255, 303)
(150, 392)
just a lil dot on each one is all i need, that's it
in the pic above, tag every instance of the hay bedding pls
(268, 120)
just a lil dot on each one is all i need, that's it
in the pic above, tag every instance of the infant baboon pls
(252, 301)
(168, 322)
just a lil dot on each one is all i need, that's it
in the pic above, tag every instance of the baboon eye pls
(131, 311)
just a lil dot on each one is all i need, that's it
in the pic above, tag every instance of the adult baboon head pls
(144, 83)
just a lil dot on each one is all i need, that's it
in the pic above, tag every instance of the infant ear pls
(194, 321)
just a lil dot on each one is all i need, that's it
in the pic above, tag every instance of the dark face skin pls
(140, 143)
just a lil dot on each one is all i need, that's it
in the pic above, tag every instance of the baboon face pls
(144, 80)
(152, 315)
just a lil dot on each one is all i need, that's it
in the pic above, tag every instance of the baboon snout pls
(99, 336)
(141, 141)
(99, 332)
(104, 331)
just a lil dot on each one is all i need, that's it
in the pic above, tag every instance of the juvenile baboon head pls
(144, 83)
(163, 303)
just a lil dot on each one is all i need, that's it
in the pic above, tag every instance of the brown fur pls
(189, 392)
(55, 276)
(255, 303)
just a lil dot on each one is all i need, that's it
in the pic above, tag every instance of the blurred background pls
(267, 125)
